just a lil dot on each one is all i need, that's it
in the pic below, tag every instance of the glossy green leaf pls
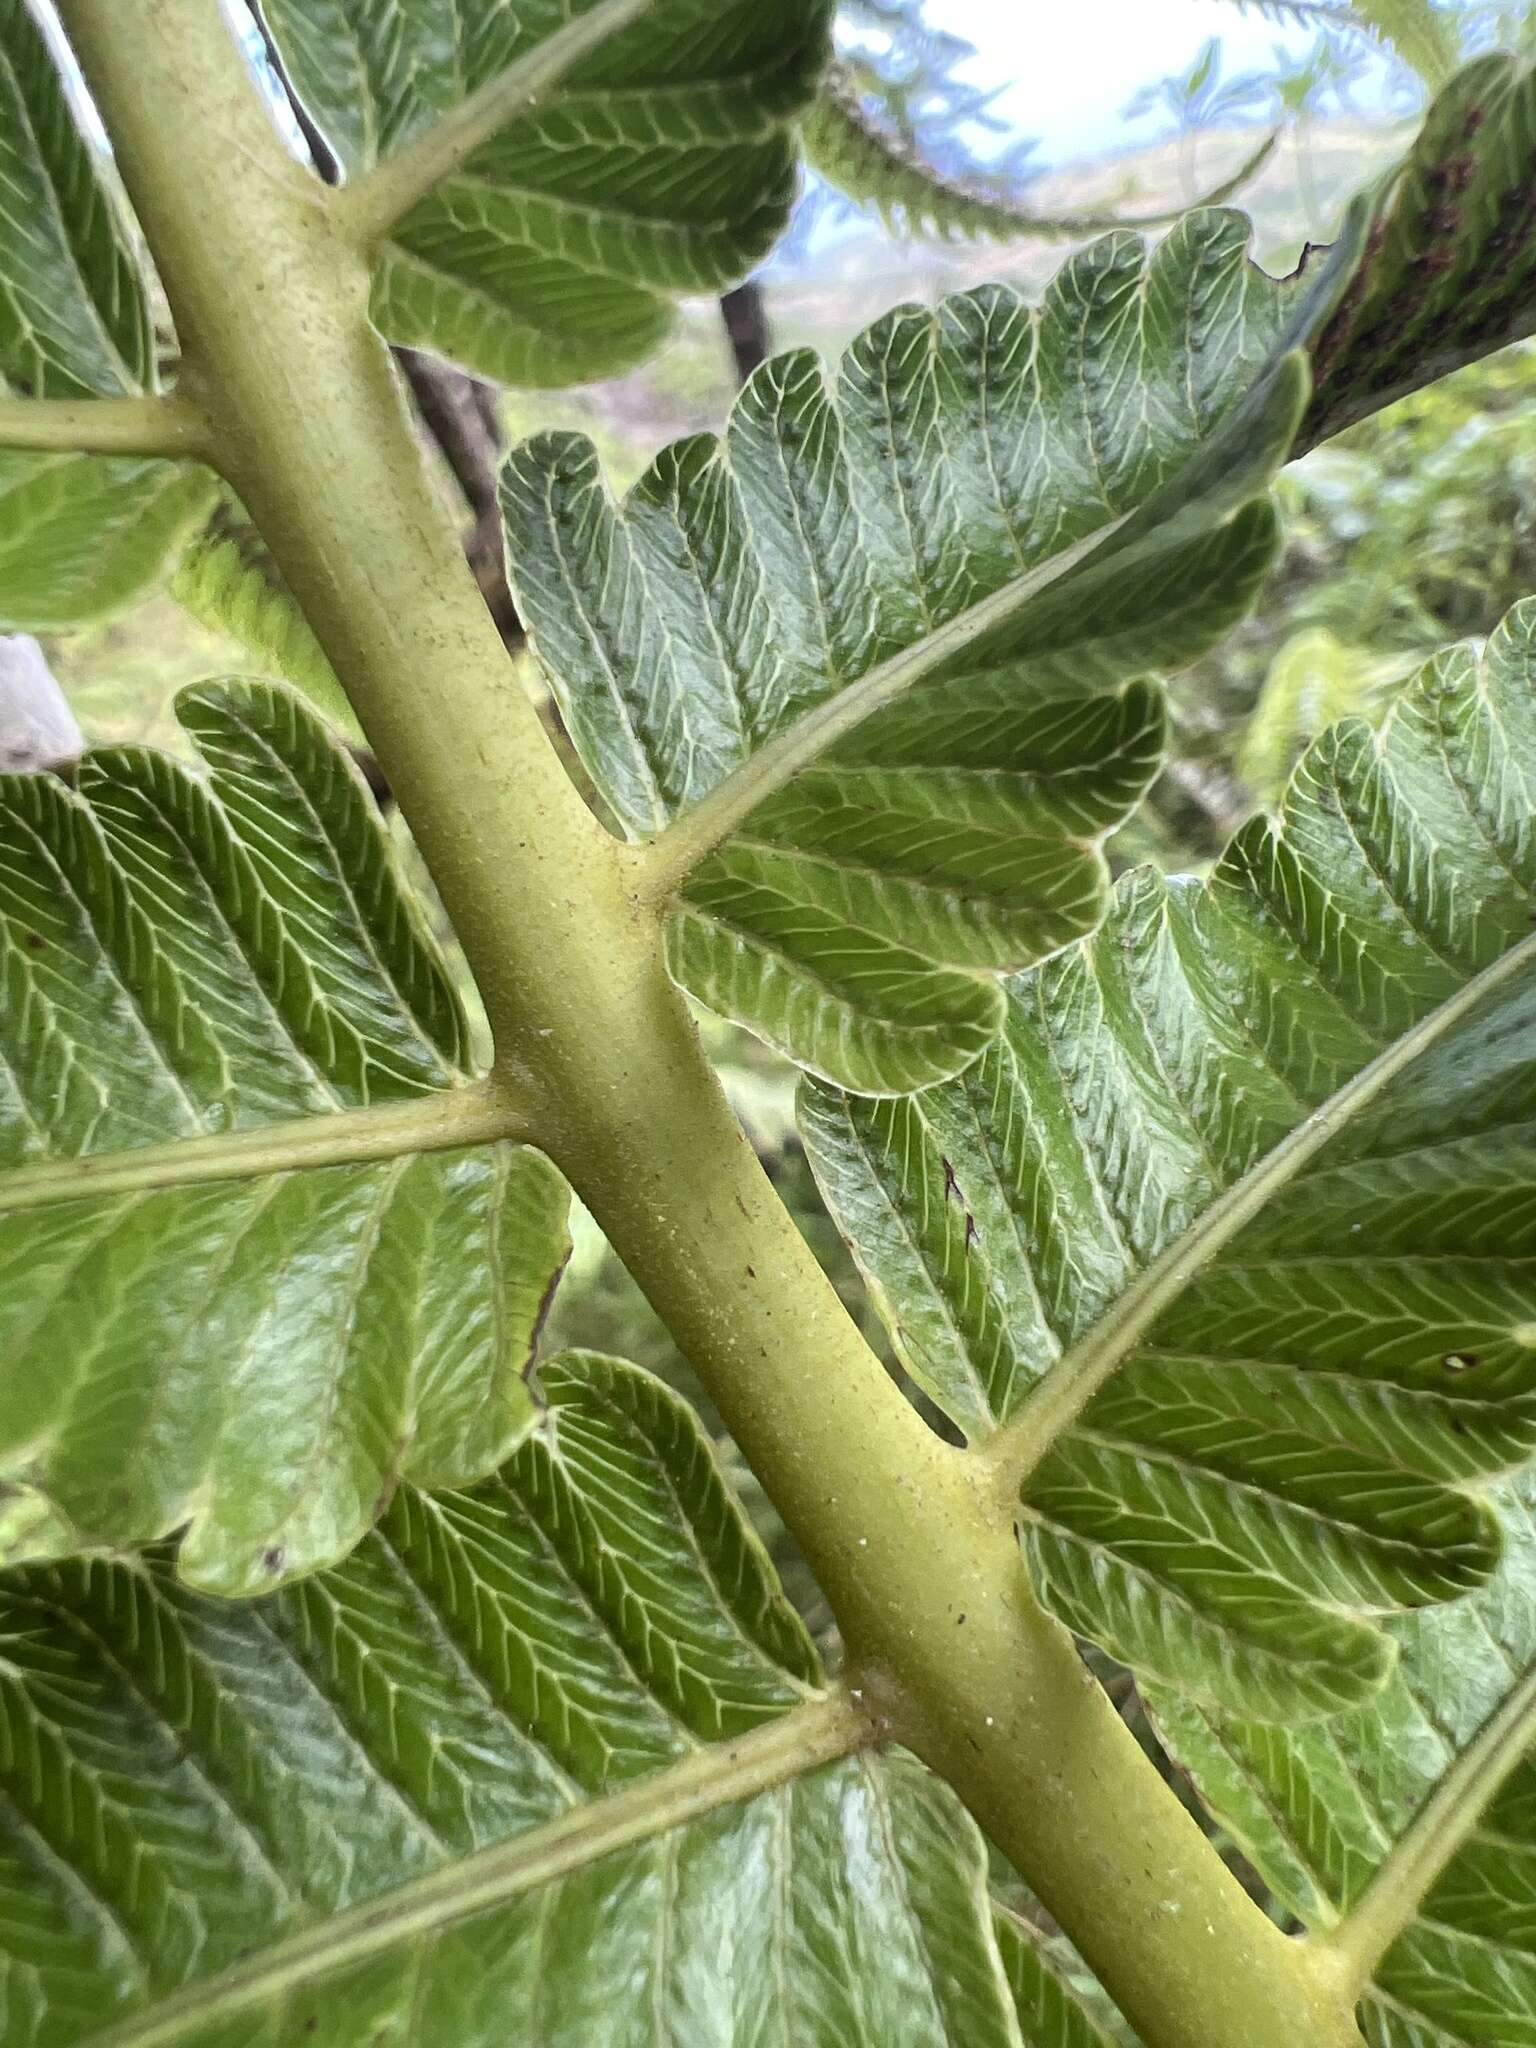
(80, 536)
(854, 920)
(368, 1807)
(913, 526)
(663, 163)
(260, 1356)
(1303, 1413)
(912, 571)
(1319, 1810)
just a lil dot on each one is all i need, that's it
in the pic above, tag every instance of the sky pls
(1075, 63)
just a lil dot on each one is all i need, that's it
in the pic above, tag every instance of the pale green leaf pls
(928, 571)
(492, 1781)
(229, 583)
(1314, 679)
(260, 1358)
(83, 536)
(1423, 34)
(1303, 1413)
(1319, 1810)
(663, 163)
(1050, 2016)
(80, 536)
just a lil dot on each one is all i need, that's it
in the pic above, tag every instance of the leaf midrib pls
(444, 1120)
(698, 830)
(820, 1732)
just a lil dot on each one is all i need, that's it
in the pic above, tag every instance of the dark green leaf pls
(1319, 1809)
(1449, 271)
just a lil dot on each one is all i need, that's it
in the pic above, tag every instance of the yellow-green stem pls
(103, 426)
(479, 1114)
(270, 298)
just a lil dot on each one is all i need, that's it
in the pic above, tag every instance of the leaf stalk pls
(151, 425)
(479, 1114)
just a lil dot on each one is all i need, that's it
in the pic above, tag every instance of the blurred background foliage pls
(1414, 528)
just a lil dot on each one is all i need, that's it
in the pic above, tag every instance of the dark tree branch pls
(745, 315)
(324, 158)
(461, 415)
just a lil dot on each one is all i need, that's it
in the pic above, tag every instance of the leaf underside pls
(1318, 1808)
(1290, 1463)
(80, 536)
(185, 1784)
(1297, 1443)
(745, 586)
(1017, 508)
(264, 1358)
(662, 163)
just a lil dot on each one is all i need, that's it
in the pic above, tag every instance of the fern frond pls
(1420, 33)
(1417, 31)
(1313, 14)
(875, 169)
